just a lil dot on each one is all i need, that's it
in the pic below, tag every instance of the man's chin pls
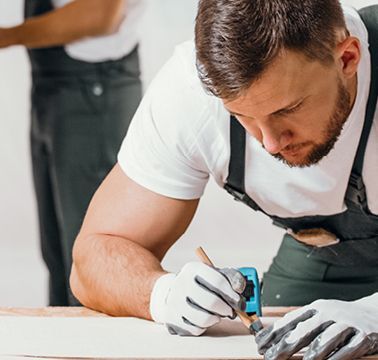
(297, 160)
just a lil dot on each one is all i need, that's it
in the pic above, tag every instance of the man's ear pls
(348, 55)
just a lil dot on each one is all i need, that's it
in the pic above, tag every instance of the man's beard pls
(332, 132)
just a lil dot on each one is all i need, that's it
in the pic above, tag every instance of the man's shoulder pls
(176, 96)
(183, 67)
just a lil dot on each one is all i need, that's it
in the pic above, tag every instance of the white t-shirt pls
(180, 135)
(108, 47)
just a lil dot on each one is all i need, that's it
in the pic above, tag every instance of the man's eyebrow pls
(289, 106)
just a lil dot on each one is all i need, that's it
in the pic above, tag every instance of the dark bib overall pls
(79, 117)
(348, 270)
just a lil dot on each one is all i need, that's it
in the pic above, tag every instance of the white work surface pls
(67, 333)
(106, 337)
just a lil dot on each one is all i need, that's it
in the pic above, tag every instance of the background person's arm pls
(76, 20)
(126, 232)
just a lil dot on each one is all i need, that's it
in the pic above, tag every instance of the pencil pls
(253, 322)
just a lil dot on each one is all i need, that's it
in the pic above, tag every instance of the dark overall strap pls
(40, 57)
(236, 173)
(356, 192)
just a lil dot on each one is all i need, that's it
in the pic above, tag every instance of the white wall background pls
(231, 233)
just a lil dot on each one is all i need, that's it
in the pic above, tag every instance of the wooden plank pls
(51, 311)
(82, 311)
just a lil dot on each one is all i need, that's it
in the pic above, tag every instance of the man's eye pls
(290, 111)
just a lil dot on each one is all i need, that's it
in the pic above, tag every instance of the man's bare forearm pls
(114, 275)
(76, 20)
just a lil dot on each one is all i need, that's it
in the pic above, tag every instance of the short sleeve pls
(160, 150)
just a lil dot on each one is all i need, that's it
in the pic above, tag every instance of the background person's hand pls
(333, 329)
(4, 38)
(196, 298)
(9, 36)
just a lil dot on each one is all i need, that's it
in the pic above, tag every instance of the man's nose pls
(275, 140)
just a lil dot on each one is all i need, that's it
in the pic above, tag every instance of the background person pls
(83, 97)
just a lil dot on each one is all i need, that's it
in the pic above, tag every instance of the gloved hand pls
(333, 329)
(196, 298)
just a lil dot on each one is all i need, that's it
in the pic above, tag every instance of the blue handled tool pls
(252, 322)
(252, 291)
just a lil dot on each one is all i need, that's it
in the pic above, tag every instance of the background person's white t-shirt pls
(108, 47)
(180, 136)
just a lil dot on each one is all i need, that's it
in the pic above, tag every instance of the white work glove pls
(332, 329)
(196, 298)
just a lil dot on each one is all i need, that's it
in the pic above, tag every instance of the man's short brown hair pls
(237, 39)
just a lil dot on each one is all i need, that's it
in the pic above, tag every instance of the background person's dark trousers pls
(79, 120)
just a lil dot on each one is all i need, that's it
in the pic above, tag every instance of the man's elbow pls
(77, 287)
